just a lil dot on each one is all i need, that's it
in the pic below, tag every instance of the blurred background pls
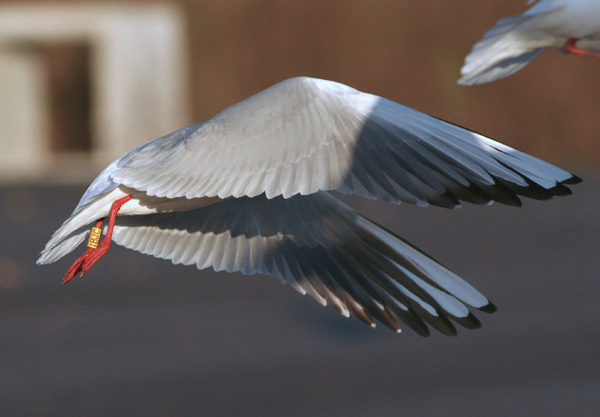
(81, 82)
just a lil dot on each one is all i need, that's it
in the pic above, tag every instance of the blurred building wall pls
(103, 79)
(409, 51)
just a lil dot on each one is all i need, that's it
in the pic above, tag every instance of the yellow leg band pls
(94, 237)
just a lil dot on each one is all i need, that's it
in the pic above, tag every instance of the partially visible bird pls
(569, 25)
(247, 191)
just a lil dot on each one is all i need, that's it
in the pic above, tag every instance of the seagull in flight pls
(572, 26)
(248, 191)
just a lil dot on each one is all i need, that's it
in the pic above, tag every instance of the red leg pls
(93, 255)
(570, 47)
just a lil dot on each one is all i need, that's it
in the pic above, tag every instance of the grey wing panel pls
(101, 185)
(404, 155)
(320, 247)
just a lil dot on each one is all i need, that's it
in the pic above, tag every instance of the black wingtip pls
(469, 322)
(573, 180)
(515, 203)
(489, 308)
(560, 190)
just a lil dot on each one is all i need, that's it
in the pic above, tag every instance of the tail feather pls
(62, 246)
(73, 231)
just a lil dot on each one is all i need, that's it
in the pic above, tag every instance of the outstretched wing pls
(319, 246)
(304, 135)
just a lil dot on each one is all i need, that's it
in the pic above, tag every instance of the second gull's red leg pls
(93, 255)
(570, 47)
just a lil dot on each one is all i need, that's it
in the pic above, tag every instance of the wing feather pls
(320, 247)
(304, 135)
